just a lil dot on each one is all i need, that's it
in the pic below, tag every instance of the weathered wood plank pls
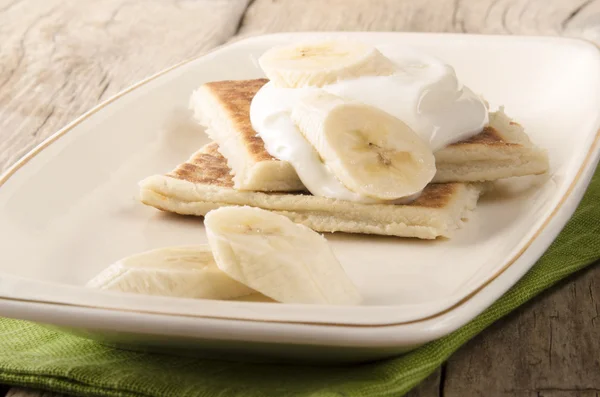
(430, 387)
(265, 16)
(548, 348)
(577, 18)
(59, 58)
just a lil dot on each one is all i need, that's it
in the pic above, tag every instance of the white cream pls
(424, 93)
(270, 111)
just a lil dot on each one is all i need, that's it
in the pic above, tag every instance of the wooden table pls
(58, 58)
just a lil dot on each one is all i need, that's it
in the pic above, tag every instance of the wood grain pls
(430, 387)
(577, 18)
(58, 58)
(549, 348)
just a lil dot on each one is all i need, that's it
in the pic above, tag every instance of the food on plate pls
(321, 63)
(501, 150)
(252, 254)
(348, 137)
(205, 183)
(223, 107)
(281, 259)
(369, 153)
(185, 272)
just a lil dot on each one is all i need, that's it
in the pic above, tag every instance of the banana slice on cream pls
(371, 152)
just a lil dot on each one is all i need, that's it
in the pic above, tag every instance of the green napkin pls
(31, 355)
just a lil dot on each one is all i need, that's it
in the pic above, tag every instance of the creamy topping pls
(424, 93)
(270, 112)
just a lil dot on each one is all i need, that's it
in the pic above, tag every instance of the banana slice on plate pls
(371, 152)
(283, 260)
(184, 272)
(324, 62)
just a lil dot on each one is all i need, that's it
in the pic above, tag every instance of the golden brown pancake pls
(501, 150)
(204, 183)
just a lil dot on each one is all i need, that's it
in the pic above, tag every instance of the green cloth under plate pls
(31, 355)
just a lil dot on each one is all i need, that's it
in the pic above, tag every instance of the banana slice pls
(321, 63)
(371, 152)
(185, 272)
(283, 260)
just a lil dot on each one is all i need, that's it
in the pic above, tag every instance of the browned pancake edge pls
(209, 167)
(488, 137)
(235, 96)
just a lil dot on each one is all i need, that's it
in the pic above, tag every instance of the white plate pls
(69, 208)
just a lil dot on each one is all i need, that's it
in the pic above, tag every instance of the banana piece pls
(283, 260)
(371, 152)
(184, 272)
(324, 62)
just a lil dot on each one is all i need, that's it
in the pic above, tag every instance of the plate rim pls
(575, 183)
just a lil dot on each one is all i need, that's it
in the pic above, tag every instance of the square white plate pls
(69, 208)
